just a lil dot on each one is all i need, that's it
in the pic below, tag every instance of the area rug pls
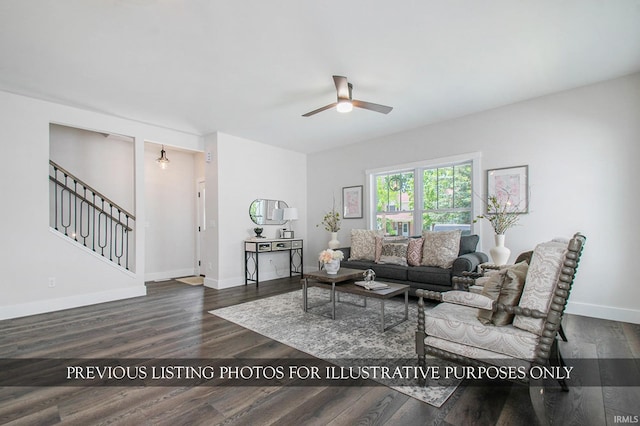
(191, 280)
(354, 335)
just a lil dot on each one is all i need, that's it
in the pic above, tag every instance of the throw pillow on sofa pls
(378, 248)
(394, 252)
(380, 241)
(440, 248)
(363, 244)
(414, 251)
(468, 244)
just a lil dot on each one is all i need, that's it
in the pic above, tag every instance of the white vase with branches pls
(331, 223)
(502, 216)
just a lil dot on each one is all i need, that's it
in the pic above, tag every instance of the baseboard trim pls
(604, 312)
(167, 275)
(51, 305)
(220, 284)
(239, 281)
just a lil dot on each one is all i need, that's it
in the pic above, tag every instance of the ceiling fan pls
(346, 102)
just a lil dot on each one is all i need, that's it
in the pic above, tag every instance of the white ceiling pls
(252, 68)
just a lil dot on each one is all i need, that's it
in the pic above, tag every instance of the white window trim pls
(476, 185)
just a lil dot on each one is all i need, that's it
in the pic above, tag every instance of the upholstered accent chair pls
(453, 329)
(474, 281)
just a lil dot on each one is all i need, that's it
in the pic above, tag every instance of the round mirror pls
(267, 212)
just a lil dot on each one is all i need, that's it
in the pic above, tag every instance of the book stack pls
(371, 285)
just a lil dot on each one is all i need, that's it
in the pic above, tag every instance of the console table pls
(255, 246)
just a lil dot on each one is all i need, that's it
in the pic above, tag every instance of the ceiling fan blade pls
(371, 106)
(324, 108)
(342, 87)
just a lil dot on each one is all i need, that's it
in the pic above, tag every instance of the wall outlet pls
(52, 281)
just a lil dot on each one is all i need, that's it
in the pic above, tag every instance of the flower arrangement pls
(331, 221)
(502, 216)
(329, 255)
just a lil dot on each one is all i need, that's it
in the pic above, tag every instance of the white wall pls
(581, 147)
(29, 252)
(242, 171)
(170, 198)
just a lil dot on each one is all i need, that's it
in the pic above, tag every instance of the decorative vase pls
(500, 254)
(334, 243)
(332, 267)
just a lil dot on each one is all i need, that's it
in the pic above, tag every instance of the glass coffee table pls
(342, 282)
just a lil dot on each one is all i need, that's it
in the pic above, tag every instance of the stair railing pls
(90, 218)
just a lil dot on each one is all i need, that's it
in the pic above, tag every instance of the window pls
(447, 197)
(395, 202)
(434, 196)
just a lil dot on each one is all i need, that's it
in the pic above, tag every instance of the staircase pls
(91, 219)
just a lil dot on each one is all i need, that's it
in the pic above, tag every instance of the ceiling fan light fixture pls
(344, 105)
(345, 102)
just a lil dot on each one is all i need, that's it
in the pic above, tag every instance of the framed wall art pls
(510, 186)
(352, 202)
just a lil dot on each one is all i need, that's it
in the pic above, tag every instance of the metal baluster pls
(93, 218)
(75, 210)
(126, 234)
(84, 206)
(111, 226)
(118, 229)
(55, 196)
(62, 193)
(102, 227)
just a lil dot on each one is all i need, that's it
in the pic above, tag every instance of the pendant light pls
(163, 161)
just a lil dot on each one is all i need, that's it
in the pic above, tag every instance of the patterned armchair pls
(474, 281)
(484, 330)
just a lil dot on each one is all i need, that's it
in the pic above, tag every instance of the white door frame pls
(200, 225)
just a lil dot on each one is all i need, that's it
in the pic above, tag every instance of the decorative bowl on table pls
(369, 275)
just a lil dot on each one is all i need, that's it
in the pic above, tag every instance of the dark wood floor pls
(172, 322)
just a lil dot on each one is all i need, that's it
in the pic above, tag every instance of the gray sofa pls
(424, 277)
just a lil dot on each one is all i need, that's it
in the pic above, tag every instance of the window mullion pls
(453, 187)
(418, 202)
